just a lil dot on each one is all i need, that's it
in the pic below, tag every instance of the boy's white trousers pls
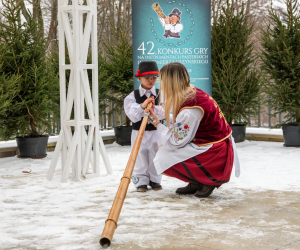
(144, 169)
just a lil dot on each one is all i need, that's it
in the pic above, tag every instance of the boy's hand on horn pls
(153, 118)
(147, 101)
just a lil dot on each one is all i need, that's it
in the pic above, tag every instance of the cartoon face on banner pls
(171, 24)
(173, 31)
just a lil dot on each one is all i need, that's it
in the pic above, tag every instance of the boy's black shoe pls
(191, 188)
(142, 188)
(155, 186)
(205, 191)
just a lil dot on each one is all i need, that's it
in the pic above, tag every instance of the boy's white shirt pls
(135, 113)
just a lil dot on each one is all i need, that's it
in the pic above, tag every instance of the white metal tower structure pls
(77, 24)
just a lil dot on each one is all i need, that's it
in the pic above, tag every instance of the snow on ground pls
(260, 207)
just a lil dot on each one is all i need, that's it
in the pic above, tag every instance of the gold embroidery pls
(214, 141)
(221, 114)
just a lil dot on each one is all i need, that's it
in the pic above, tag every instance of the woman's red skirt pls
(212, 167)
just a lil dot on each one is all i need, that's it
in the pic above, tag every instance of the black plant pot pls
(238, 132)
(32, 147)
(291, 136)
(123, 135)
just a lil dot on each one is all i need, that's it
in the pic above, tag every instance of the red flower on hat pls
(138, 73)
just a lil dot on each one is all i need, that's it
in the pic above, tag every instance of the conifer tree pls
(281, 60)
(8, 88)
(38, 88)
(235, 81)
(8, 91)
(116, 60)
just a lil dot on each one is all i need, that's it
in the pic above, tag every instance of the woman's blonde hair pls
(174, 88)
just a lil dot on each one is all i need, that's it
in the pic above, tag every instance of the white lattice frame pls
(76, 151)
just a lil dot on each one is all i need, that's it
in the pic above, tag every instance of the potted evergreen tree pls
(235, 81)
(281, 59)
(27, 113)
(8, 89)
(8, 86)
(117, 61)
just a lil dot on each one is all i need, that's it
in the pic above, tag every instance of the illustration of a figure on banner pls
(171, 24)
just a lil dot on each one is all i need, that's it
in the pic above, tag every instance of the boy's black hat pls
(147, 68)
(175, 12)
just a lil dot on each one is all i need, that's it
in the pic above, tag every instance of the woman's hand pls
(153, 118)
(147, 101)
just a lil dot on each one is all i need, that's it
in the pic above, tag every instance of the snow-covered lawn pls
(259, 210)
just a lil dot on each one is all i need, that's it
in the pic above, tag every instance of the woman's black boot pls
(205, 191)
(191, 188)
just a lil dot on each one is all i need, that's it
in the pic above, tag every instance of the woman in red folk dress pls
(197, 146)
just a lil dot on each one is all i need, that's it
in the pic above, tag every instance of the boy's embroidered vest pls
(140, 100)
(213, 126)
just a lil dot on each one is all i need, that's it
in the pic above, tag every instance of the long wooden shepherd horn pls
(111, 222)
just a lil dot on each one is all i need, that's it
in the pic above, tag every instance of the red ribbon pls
(147, 73)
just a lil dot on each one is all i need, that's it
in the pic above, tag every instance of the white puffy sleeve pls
(160, 112)
(183, 131)
(162, 21)
(132, 109)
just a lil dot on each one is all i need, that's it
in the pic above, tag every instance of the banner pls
(173, 31)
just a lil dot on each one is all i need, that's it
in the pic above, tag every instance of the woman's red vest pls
(213, 126)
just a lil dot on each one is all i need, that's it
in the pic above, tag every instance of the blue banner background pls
(193, 48)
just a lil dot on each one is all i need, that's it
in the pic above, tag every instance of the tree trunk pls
(237, 6)
(111, 19)
(24, 10)
(37, 15)
(119, 15)
(33, 127)
(40, 19)
(248, 8)
(52, 34)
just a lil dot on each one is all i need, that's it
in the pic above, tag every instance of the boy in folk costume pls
(144, 172)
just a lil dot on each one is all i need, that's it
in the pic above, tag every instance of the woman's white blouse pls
(175, 144)
(183, 131)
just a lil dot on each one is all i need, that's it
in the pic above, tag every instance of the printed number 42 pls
(142, 47)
